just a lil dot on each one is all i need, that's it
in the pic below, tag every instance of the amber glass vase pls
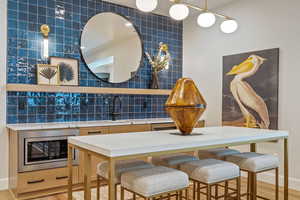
(185, 105)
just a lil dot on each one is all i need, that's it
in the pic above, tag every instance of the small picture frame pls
(68, 70)
(47, 74)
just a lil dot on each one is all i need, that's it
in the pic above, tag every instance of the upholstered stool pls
(121, 167)
(173, 160)
(154, 182)
(211, 172)
(218, 153)
(255, 163)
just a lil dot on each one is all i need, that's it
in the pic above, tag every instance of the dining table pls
(125, 146)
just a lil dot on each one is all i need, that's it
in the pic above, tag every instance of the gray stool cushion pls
(254, 162)
(218, 153)
(210, 170)
(121, 167)
(173, 160)
(155, 180)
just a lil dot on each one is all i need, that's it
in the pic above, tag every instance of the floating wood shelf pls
(89, 90)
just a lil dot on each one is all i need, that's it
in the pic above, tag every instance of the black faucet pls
(114, 112)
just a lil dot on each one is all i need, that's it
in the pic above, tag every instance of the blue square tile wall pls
(66, 19)
(39, 107)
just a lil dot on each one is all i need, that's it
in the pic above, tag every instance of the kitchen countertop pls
(159, 141)
(82, 124)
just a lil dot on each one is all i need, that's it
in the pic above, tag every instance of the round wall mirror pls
(111, 47)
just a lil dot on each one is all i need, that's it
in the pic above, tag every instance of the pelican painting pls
(246, 96)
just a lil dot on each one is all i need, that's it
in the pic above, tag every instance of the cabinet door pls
(130, 128)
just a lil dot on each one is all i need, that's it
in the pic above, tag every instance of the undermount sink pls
(121, 121)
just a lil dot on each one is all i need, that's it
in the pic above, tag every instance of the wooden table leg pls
(111, 180)
(70, 169)
(87, 176)
(286, 170)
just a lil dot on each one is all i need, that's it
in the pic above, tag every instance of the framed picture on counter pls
(47, 74)
(68, 70)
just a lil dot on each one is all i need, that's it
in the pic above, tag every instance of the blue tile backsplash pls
(66, 19)
(32, 107)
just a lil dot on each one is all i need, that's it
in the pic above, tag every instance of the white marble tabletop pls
(115, 145)
(81, 124)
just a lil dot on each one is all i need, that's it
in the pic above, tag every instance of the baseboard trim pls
(4, 184)
(266, 177)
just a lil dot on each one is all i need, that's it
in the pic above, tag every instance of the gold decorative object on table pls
(185, 105)
(47, 74)
(159, 63)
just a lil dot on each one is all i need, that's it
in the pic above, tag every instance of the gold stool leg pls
(194, 190)
(216, 192)
(98, 187)
(276, 184)
(249, 195)
(116, 191)
(226, 191)
(208, 192)
(254, 186)
(187, 194)
(122, 193)
(180, 194)
(198, 191)
(238, 187)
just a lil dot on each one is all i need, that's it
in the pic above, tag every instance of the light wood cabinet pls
(130, 128)
(94, 130)
(27, 185)
(171, 126)
(44, 179)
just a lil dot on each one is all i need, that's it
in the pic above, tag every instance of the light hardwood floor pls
(264, 189)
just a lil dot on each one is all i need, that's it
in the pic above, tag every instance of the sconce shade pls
(185, 105)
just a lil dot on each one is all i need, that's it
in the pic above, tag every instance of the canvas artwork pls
(47, 74)
(250, 89)
(68, 70)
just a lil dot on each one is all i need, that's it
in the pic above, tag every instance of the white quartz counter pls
(114, 145)
(81, 124)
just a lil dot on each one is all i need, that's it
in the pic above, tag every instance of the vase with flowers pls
(159, 63)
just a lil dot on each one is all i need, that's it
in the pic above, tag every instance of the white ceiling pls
(164, 5)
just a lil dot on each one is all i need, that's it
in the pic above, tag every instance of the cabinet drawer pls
(164, 126)
(130, 128)
(94, 131)
(44, 179)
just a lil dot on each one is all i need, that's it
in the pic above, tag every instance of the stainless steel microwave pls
(45, 149)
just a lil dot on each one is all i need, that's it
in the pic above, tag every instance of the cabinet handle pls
(95, 132)
(61, 177)
(165, 128)
(37, 181)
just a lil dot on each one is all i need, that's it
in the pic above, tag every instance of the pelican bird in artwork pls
(247, 99)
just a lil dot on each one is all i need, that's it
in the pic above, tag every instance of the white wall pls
(263, 24)
(3, 135)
